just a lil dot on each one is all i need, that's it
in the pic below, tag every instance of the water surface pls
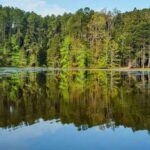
(45, 109)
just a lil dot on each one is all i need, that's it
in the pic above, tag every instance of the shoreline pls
(77, 69)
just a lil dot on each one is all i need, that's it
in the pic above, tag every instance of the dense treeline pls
(85, 39)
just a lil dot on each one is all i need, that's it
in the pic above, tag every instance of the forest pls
(84, 39)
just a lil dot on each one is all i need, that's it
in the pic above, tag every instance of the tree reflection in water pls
(84, 98)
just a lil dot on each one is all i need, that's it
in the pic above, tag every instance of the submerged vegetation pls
(85, 39)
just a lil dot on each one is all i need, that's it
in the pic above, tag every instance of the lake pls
(43, 109)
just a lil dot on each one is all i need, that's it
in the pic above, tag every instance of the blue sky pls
(45, 7)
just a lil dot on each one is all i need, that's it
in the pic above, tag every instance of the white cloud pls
(39, 6)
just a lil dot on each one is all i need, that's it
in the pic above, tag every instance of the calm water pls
(74, 110)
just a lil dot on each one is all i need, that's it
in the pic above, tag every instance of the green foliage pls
(85, 39)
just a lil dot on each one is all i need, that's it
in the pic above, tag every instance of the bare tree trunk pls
(143, 57)
(129, 63)
(111, 51)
